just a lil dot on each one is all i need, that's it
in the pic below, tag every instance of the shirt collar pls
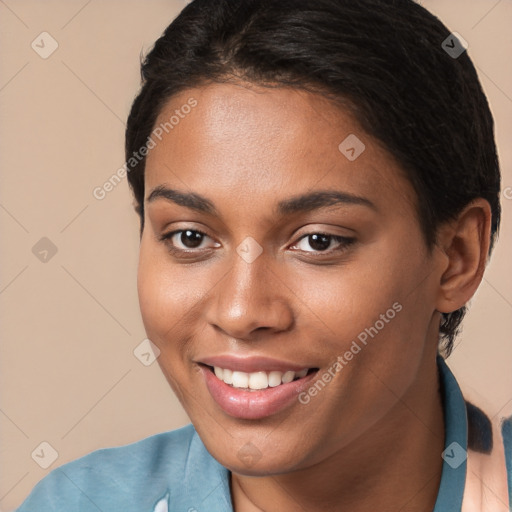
(453, 476)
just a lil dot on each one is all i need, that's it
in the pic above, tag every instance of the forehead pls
(267, 142)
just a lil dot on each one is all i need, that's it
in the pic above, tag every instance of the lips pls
(248, 392)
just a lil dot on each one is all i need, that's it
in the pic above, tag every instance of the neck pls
(394, 465)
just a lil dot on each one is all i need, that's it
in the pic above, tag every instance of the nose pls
(251, 298)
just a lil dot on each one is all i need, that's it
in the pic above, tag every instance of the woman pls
(318, 192)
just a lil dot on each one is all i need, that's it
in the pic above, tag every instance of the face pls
(281, 252)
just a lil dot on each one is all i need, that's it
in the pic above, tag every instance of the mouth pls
(256, 395)
(258, 380)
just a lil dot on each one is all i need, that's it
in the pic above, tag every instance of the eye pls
(322, 242)
(185, 240)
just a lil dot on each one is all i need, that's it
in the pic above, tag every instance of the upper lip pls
(251, 364)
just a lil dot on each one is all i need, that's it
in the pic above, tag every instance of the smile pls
(254, 388)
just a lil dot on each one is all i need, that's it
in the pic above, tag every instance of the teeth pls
(240, 380)
(274, 379)
(227, 376)
(288, 377)
(257, 380)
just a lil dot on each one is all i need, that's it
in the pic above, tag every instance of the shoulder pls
(486, 446)
(506, 433)
(125, 478)
(489, 461)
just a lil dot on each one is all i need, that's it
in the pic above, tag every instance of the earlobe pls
(465, 242)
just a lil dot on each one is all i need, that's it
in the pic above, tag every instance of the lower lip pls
(253, 405)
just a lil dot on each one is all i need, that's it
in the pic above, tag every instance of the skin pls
(372, 438)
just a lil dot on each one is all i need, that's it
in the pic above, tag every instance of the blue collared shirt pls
(173, 471)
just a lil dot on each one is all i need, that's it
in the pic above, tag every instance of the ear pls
(465, 244)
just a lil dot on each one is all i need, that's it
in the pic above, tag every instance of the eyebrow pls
(302, 203)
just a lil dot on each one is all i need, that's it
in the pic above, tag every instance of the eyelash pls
(344, 242)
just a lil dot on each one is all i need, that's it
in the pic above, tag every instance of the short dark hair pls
(384, 60)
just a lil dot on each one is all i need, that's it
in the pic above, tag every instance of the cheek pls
(154, 296)
(396, 296)
(162, 296)
(382, 302)
(172, 298)
(347, 299)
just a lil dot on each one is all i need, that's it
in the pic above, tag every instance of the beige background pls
(68, 374)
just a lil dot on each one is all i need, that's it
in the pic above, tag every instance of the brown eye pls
(323, 243)
(190, 239)
(319, 242)
(186, 241)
